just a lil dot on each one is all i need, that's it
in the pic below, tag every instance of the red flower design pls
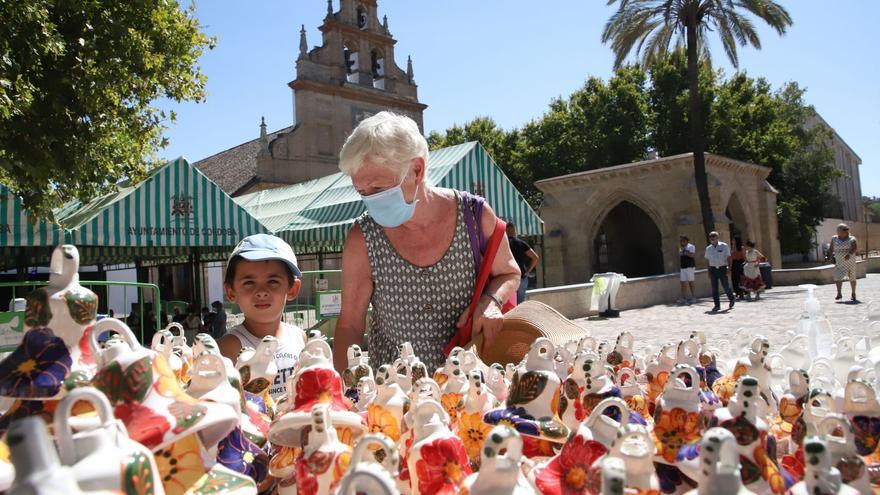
(443, 466)
(567, 473)
(306, 482)
(85, 351)
(143, 425)
(320, 385)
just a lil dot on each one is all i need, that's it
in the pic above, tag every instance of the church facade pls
(352, 75)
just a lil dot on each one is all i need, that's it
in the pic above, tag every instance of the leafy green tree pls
(77, 82)
(650, 26)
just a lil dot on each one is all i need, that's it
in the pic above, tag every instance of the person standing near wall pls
(686, 254)
(718, 257)
(843, 251)
(525, 257)
(738, 257)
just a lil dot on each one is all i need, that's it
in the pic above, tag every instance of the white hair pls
(385, 139)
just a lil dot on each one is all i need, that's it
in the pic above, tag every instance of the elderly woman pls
(409, 254)
(843, 248)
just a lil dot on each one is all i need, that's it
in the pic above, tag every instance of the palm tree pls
(650, 26)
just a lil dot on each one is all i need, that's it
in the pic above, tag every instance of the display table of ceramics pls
(88, 408)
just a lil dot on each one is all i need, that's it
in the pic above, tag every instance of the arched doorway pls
(739, 228)
(628, 242)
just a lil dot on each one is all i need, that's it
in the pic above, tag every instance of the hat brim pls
(266, 255)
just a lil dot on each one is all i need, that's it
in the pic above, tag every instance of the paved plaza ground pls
(776, 312)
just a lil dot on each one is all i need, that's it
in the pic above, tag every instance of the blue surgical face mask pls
(389, 208)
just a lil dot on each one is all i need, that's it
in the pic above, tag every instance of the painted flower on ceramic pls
(318, 385)
(143, 424)
(515, 417)
(442, 467)
(637, 404)
(671, 478)
(473, 432)
(851, 468)
(85, 351)
(790, 408)
(138, 474)
(241, 455)
(745, 432)
(220, 480)
(567, 473)
(674, 428)
(536, 447)
(440, 378)
(187, 415)
(283, 461)
(453, 404)
(180, 465)
(166, 382)
(345, 435)
(866, 430)
(381, 420)
(309, 470)
(37, 367)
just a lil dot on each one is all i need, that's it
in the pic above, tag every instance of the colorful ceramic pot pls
(456, 387)
(862, 410)
(324, 459)
(533, 398)
(678, 427)
(758, 468)
(37, 470)
(501, 466)
(720, 471)
(632, 392)
(437, 460)
(657, 374)
(497, 382)
(588, 385)
(187, 468)
(366, 393)
(604, 425)
(791, 406)
(315, 381)
(839, 437)
(820, 475)
(622, 356)
(54, 354)
(147, 396)
(104, 458)
(385, 414)
(425, 388)
(258, 369)
(163, 344)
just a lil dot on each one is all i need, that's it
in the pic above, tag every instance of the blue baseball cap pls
(260, 247)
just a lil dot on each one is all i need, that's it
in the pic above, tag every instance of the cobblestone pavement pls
(776, 312)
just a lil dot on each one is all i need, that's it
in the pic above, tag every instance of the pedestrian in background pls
(843, 252)
(738, 259)
(525, 257)
(718, 257)
(192, 324)
(687, 266)
(751, 279)
(218, 320)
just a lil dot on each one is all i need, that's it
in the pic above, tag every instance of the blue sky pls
(508, 59)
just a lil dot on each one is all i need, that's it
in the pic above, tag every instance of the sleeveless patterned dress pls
(415, 304)
(844, 269)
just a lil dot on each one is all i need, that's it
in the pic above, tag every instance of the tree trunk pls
(695, 118)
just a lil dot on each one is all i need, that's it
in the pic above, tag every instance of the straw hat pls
(522, 326)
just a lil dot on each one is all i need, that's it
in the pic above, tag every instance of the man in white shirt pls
(718, 257)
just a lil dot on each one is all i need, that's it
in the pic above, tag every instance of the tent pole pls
(197, 279)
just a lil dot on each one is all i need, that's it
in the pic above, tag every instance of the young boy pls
(261, 276)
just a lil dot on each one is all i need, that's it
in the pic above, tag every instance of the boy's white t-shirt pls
(290, 345)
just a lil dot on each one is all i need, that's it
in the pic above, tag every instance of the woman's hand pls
(488, 319)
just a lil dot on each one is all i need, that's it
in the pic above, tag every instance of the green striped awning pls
(176, 206)
(18, 230)
(316, 215)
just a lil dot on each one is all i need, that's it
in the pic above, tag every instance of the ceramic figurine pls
(720, 465)
(437, 460)
(752, 364)
(563, 362)
(531, 403)
(678, 427)
(605, 426)
(587, 386)
(455, 389)
(657, 373)
(425, 388)
(622, 355)
(471, 428)
(163, 343)
(366, 393)
(54, 354)
(500, 466)
(820, 475)
(324, 459)
(862, 410)
(442, 373)
(822, 375)
(147, 395)
(759, 470)
(315, 381)
(839, 437)
(103, 457)
(791, 406)
(258, 369)
(385, 414)
(634, 445)
(632, 392)
(370, 477)
(497, 382)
